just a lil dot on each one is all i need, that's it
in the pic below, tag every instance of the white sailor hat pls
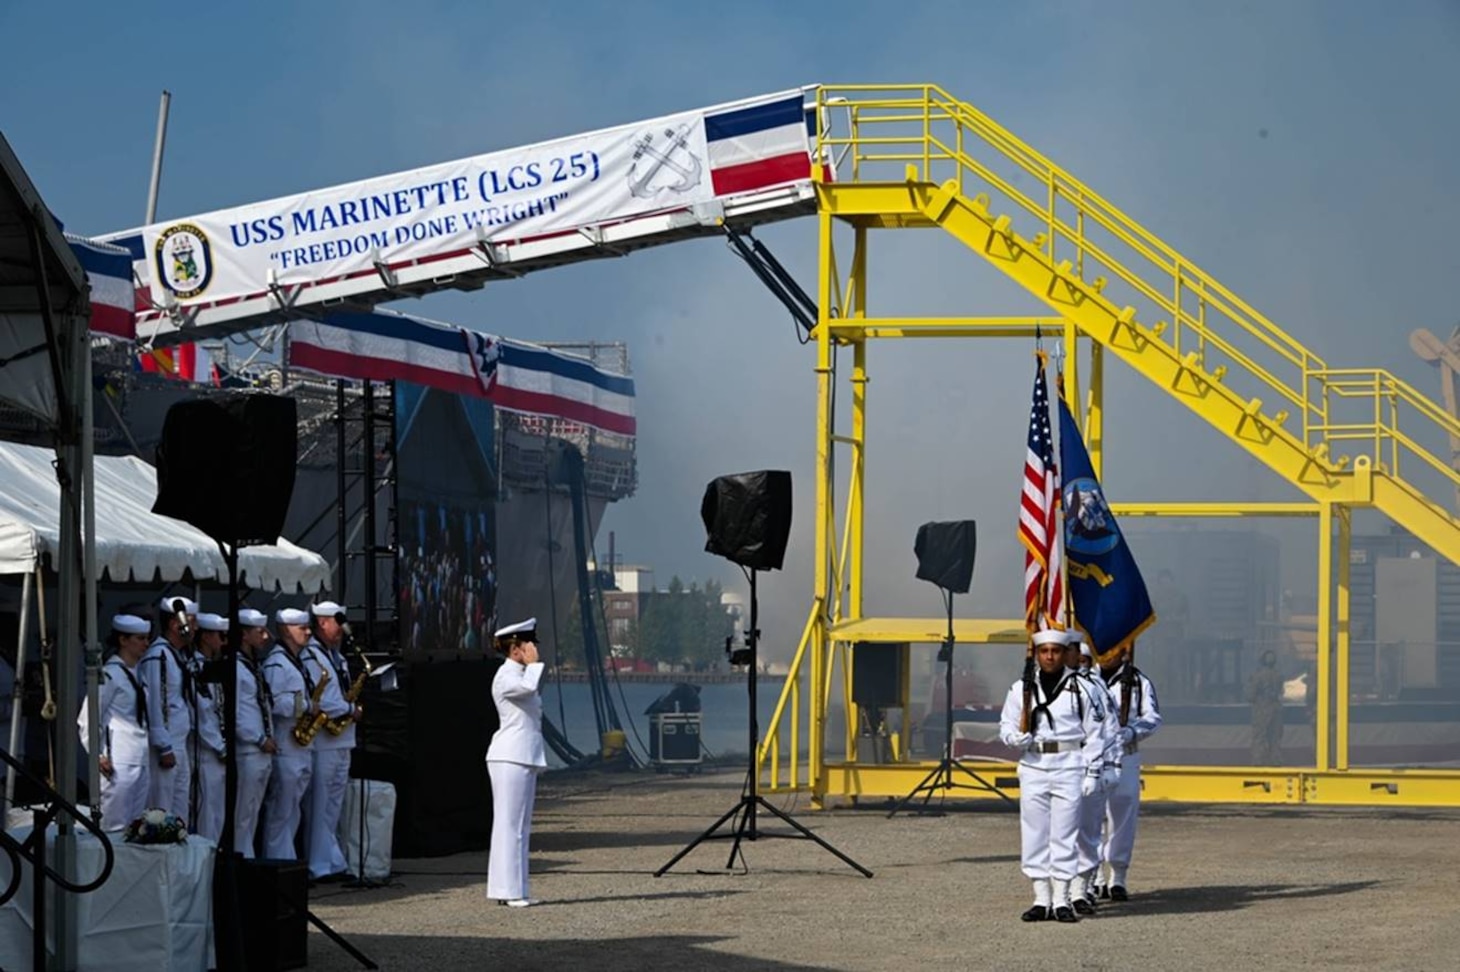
(326, 609)
(130, 624)
(212, 622)
(249, 618)
(291, 616)
(522, 627)
(170, 605)
(1085, 649)
(1050, 636)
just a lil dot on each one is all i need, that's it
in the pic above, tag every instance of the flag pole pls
(1032, 621)
(1059, 387)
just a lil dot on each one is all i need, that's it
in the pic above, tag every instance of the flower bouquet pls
(156, 826)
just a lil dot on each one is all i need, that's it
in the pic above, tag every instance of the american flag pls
(1040, 529)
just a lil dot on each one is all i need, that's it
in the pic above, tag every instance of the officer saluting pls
(514, 759)
(1057, 724)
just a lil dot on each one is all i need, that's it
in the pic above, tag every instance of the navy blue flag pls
(1106, 587)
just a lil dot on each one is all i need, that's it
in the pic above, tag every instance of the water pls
(724, 712)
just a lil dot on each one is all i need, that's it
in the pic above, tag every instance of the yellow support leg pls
(825, 512)
(1325, 636)
(1343, 693)
(1095, 410)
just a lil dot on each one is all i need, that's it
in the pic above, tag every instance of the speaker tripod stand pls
(941, 779)
(742, 816)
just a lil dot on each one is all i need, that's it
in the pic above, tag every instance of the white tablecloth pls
(379, 827)
(155, 911)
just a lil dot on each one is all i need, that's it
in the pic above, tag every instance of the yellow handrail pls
(770, 745)
(899, 132)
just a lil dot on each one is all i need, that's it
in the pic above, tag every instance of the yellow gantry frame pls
(1205, 331)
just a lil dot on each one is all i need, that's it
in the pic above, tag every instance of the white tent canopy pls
(133, 544)
(32, 251)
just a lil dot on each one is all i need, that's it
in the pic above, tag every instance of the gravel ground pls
(1213, 888)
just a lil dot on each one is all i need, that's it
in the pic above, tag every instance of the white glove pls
(1021, 740)
(1127, 735)
(1109, 777)
(1089, 783)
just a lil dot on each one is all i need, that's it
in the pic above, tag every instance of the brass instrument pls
(307, 726)
(336, 726)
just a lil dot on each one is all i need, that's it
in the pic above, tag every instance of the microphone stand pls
(941, 777)
(359, 882)
(742, 816)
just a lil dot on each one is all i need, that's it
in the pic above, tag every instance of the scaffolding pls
(901, 157)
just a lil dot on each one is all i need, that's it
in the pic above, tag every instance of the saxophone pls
(304, 731)
(336, 726)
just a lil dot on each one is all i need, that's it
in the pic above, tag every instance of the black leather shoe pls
(1037, 913)
(1118, 893)
(1065, 914)
(1084, 907)
(1103, 891)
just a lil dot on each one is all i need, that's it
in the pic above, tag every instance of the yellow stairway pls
(913, 156)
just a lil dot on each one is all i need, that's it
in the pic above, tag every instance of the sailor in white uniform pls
(1092, 808)
(514, 759)
(209, 752)
(125, 756)
(1062, 745)
(292, 673)
(254, 746)
(166, 677)
(1137, 716)
(326, 794)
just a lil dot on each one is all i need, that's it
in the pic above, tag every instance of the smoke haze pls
(1301, 152)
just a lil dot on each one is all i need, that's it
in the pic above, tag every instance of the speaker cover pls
(945, 554)
(226, 465)
(748, 518)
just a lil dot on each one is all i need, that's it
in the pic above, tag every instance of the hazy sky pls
(1303, 152)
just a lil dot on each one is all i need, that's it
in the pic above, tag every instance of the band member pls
(208, 752)
(1062, 741)
(331, 752)
(514, 759)
(254, 746)
(125, 756)
(1092, 808)
(1137, 716)
(166, 676)
(293, 675)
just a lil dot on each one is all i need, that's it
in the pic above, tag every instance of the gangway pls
(461, 224)
(882, 157)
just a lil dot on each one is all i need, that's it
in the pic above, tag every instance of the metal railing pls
(900, 133)
(33, 850)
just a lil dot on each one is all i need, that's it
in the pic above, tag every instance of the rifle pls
(1028, 690)
(1127, 681)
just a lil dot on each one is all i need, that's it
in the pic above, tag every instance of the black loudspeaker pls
(945, 554)
(877, 673)
(226, 465)
(272, 899)
(748, 518)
